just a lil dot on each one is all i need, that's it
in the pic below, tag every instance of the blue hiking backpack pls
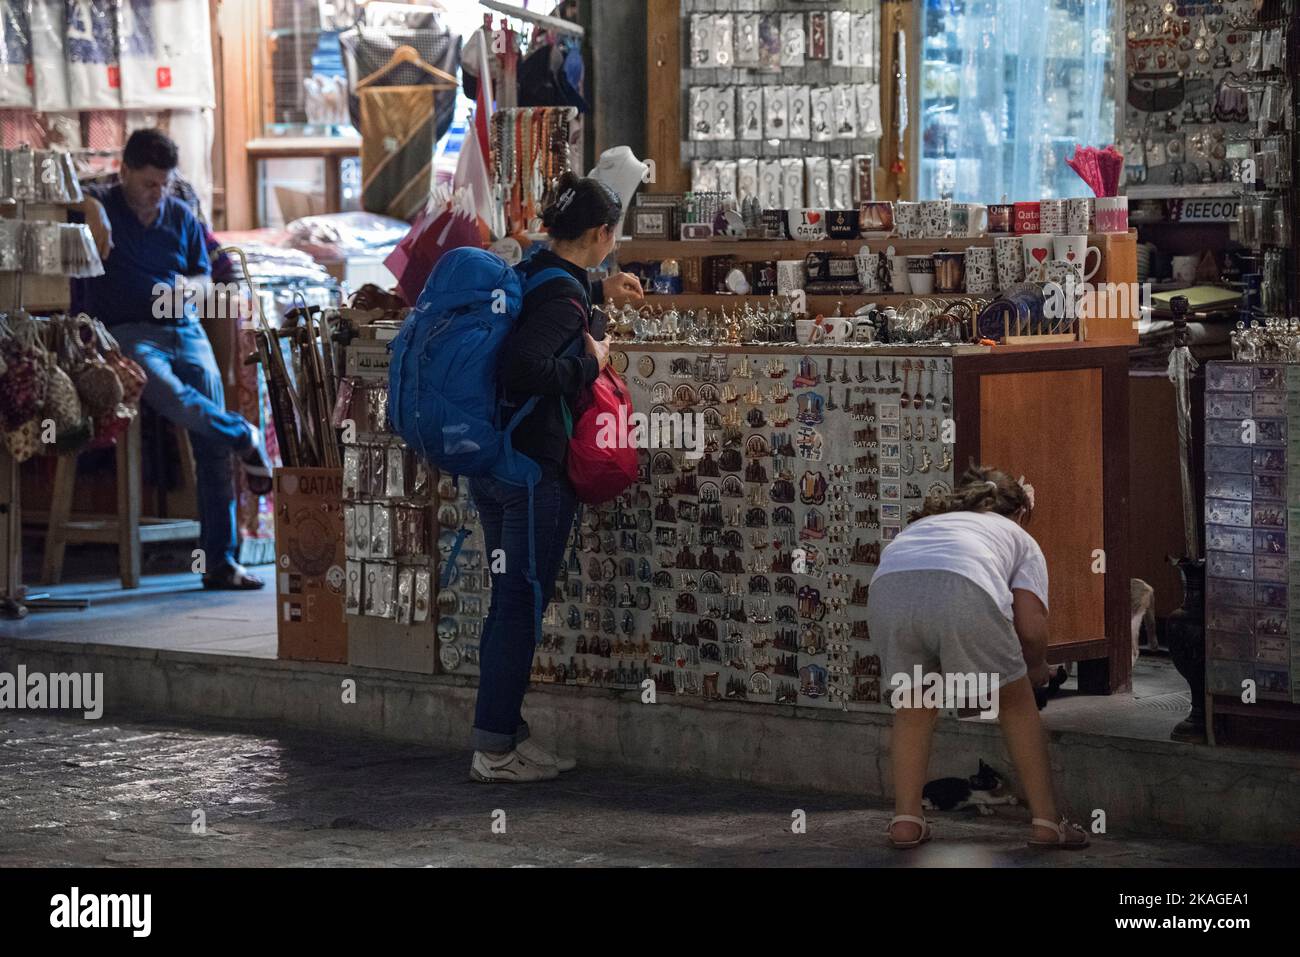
(443, 397)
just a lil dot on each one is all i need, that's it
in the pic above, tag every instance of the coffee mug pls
(976, 218)
(920, 274)
(899, 281)
(1078, 215)
(1038, 250)
(936, 218)
(1075, 249)
(789, 276)
(807, 225)
(1026, 219)
(808, 331)
(1010, 252)
(960, 223)
(838, 328)
(1112, 214)
(907, 219)
(842, 223)
(1051, 216)
(949, 271)
(1002, 218)
(869, 271)
(980, 270)
(876, 217)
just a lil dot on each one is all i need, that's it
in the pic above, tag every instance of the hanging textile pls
(15, 55)
(48, 28)
(94, 73)
(368, 48)
(398, 137)
(166, 55)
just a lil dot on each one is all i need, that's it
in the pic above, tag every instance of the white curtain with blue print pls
(1009, 87)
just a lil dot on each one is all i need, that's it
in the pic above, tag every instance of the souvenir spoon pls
(905, 400)
(946, 404)
(918, 399)
(929, 395)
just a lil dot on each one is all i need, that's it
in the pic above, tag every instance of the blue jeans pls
(509, 633)
(184, 387)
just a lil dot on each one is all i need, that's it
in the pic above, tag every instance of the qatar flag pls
(474, 168)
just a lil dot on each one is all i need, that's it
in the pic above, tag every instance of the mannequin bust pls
(620, 170)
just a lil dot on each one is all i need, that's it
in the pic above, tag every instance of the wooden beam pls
(663, 118)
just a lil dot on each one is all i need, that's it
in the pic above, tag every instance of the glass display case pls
(1008, 88)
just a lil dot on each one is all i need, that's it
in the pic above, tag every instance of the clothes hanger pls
(408, 54)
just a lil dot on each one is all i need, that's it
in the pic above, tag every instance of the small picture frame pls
(652, 222)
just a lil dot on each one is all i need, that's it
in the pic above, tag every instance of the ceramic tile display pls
(740, 573)
(1252, 528)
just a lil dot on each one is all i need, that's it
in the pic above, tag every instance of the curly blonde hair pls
(982, 488)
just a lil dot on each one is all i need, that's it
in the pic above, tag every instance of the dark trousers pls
(509, 633)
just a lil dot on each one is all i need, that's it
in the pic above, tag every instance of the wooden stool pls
(127, 528)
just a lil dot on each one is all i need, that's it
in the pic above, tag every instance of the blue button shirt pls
(144, 256)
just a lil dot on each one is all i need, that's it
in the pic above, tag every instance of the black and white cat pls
(979, 791)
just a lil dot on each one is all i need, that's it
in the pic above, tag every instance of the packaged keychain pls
(842, 184)
(701, 122)
(746, 39)
(381, 531)
(817, 27)
(22, 173)
(704, 176)
(841, 38)
(351, 472)
(378, 461)
(792, 39)
(746, 178)
(11, 246)
(800, 110)
(750, 116)
(395, 480)
(43, 249)
(423, 595)
(818, 181)
(352, 595)
(769, 184)
(861, 32)
(724, 112)
(726, 175)
(868, 103)
(385, 579)
(792, 188)
(362, 526)
(775, 103)
(701, 40)
(845, 111)
(350, 530)
(405, 594)
(723, 50)
(769, 41)
(422, 483)
(379, 409)
(823, 115)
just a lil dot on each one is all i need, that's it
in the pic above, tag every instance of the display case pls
(738, 566)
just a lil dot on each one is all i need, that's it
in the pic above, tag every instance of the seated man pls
(155, 242)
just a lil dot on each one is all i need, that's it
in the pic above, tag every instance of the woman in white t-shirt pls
(962, 591)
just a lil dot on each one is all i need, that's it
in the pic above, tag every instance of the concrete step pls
(1142, 787)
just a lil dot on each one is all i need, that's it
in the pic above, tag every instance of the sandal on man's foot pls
(909, 819)
(1069, 836)
(232, 578)
(256, 466)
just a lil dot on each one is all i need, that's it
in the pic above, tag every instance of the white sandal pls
(1063, 830)
(908, 818)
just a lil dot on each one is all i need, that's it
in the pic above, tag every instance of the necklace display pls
(530, 152)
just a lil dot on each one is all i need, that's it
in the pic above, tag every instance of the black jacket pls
(553, 316)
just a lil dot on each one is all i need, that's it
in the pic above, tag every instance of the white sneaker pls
(539, 755)
(509, 767)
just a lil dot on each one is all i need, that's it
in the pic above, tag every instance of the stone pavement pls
(75, 792)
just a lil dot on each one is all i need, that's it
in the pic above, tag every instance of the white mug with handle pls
(1038, 250)
(1075, 249)
(838, 328)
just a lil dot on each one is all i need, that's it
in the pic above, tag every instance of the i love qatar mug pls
(1075, 249)
(1038, 250)
(807, 224)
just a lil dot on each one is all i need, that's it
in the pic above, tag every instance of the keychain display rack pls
(783, 93)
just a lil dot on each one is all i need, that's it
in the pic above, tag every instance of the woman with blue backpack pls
(550, 355)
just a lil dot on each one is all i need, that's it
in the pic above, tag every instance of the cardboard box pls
(309, 565)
